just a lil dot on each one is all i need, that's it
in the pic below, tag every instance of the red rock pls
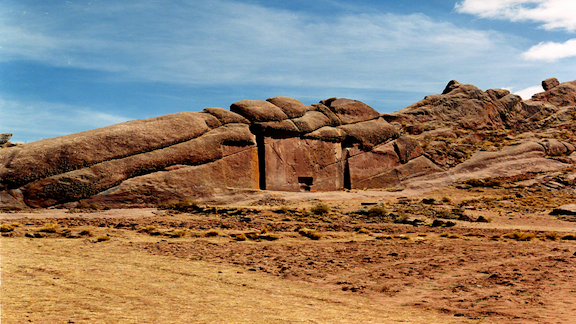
(293, 108)
(25, 163)
(351, 111)
(293, 164)
(226, 116)
(562, 95)
(328, 134)
(550, 83)
(407, 148)
(258, 110)
(370, 164)
(232, 173)
(370, 133)
(86, 182)
(311, 121)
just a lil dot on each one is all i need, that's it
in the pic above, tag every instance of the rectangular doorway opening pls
(305, 183)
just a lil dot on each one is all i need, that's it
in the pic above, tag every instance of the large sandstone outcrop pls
(283, 144)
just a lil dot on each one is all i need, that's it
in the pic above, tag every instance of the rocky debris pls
(4, 138)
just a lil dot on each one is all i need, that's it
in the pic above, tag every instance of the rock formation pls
(283, 144)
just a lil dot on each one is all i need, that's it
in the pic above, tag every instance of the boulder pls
(562, 95)
(569, 209)
(4, 138)
(550, 83)
(407, 148)
(328, 134)
(369, 164)
(226, 116)
(311, 121)
(370, 133)
(554, 147)
(258, 110)
(293, 108)
(284, 127)
(350, 111)
(22, 164)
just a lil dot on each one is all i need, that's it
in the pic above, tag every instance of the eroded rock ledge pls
(277, 144)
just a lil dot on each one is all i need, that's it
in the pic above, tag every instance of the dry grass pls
(68, 281)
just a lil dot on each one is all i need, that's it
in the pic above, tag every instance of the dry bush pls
(179, 233)
(520, 236)
(103, 238)
(320, 209)
(49, 228)
(240, 237)
(183, 205)
(6, 228)
(553, 236)
(310, 233)
(150, 229)
(363, 231)
(212, 232)
(570, 237)
(86, 232)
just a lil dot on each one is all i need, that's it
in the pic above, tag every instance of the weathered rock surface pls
(283, 144)
(37, 160)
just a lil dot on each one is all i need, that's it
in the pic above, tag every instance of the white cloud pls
(552, 14)
(30, 121)
(226, 42)
(551, 51)
(529, 92)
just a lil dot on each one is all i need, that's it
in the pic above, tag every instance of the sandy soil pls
(470, 272)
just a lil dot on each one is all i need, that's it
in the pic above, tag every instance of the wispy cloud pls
(227, 42)
(28, 120)
(551, 14)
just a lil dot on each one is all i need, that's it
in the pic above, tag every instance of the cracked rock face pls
(275, 144)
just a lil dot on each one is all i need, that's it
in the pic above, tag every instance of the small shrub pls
(384, 237)
(377, 212)
(495, 237)
(240, 237)
(446, 199)
(50, 228)
(85, 232)
(453, 236)
(444, 235)
(473, 234)
(88, 206)
(553, 236)
(570, 237)
(103, 238)
(269, 237)
(212, 232)
(15, 224)
(183, 205)
(320, 209)
(150, 229)
(310, 233)
(6, 228)
(363, 231)
(179, 233)
(520, 236)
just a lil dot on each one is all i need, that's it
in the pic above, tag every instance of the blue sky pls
(70, 66)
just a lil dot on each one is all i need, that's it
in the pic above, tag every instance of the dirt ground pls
(275, 259)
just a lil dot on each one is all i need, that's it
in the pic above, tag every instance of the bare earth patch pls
(254, 263)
